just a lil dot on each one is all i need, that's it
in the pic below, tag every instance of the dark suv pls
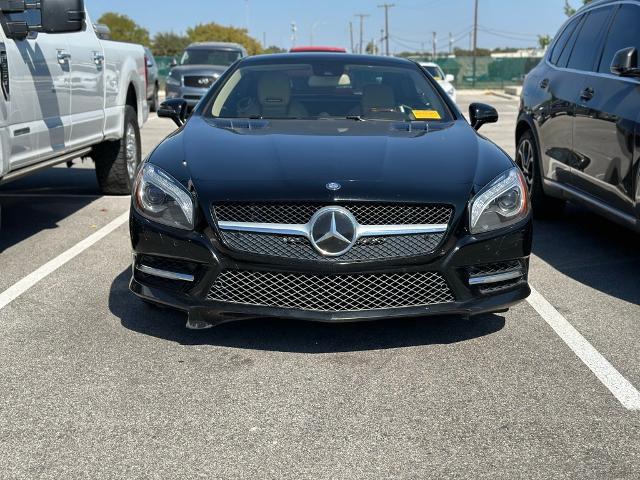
(578, 131)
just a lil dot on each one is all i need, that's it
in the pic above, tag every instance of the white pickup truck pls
(66, 94)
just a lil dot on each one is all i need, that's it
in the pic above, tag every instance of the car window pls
(588, 43)
(201, 56)
(563, 40)
(624, 32)
(329, 89)
(435, 72)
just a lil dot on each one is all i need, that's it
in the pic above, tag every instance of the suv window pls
(624, 33)
(562, 41)
(587, 45)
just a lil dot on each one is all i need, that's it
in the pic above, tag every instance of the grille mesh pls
(367, 249)
(194, 81)
(331, 293)
(494, 268)
(366, 214)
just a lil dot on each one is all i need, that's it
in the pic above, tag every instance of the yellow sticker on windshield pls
(426, 114)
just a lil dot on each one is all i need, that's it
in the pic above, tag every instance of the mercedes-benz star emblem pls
(333, 186)
(333, 231)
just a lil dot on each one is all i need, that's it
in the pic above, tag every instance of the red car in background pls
(317, 49)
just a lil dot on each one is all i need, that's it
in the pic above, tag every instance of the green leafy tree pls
(212, 32)
(372, 48)
(169, 44)
(568, 8)
(544, 41)
(124, 29)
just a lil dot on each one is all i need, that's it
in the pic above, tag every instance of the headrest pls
(274, 90)
(378, 96)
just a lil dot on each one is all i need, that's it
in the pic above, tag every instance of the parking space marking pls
(619, 386)
(48, 268)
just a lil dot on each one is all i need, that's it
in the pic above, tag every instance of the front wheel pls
(528, 161)
(117, 161)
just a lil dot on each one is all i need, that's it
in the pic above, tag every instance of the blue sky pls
(503, 22)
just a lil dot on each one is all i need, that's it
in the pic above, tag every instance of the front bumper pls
(191, 95)
(208, 258)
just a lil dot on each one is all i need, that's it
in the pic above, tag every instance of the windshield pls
(201, 56)
(435, 72)
(329, 89)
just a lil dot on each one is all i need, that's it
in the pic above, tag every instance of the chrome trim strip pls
(305, 230)
(497, 278)
(165, 274)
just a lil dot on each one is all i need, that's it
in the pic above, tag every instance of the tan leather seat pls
(274, 97)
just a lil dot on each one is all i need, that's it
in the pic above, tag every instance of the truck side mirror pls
(62, 16)
(175, 109)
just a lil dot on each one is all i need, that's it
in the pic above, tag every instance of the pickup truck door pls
(87, 87)
(39, 100)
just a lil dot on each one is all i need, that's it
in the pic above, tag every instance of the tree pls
(124, 29)
(568, 8)
(544, 41)
(212, 32)
(372, 48)
(169, 44)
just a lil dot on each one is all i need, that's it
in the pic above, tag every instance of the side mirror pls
(175, 109)
(625, 63)
(149, 63)
(450, 78)
(174, 62)
(56, 16)
(481, 114)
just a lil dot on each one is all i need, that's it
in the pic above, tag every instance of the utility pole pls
(450, 43)
(435, 46)
(294, 31)
(386, 7)
(381, 48)
(351, 35)
(475, 42)
(362, 16)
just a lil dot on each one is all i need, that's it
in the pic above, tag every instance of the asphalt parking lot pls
(94, 384)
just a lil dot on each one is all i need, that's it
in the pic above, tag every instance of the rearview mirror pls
(175, 109)
(481, 114)
(56, 16)
(625, 63)
(450, 78)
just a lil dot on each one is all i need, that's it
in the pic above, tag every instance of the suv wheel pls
(117, 161)
(528, 161)
(154, 102)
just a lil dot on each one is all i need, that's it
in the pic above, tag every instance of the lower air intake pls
(331, 293)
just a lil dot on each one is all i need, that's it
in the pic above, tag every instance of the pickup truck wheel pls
(117, 161)
(154, 102)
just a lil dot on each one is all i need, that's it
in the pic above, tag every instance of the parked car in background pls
(445, 81)
(199, 67)
(316, 48)
(153, 83)
(578, 131)
(66, 94)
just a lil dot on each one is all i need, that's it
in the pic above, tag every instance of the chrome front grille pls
(331, 293)
(366, 249)
(198, 81)
(365, 214)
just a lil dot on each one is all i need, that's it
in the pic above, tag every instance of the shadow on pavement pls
(24, 216)
(592, 251)
(281, 335)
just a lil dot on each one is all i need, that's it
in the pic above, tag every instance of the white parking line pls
(619, 386)
(48, 268)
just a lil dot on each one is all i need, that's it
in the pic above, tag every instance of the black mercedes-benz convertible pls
(329, 187)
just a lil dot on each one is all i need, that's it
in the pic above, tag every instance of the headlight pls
(500, 204)
(162, 199)
(174, 80)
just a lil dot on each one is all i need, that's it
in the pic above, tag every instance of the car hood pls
(204, 70)
(290, 160)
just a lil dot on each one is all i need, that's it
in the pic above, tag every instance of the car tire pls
(117, 161)
(154, 102)
(528, 160)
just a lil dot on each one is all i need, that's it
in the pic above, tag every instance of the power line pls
(386, 7)
(362, 16)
